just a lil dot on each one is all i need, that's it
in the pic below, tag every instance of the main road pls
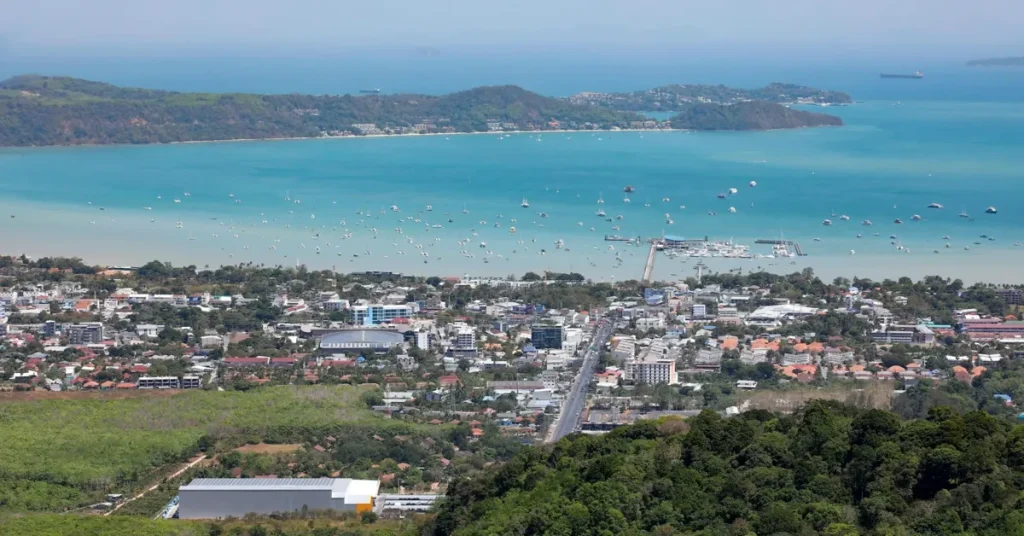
(572, 408)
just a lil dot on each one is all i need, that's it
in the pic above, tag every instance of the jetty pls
(791, 245)
(649, 267)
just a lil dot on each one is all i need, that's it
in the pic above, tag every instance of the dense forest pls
(749, 115)
(39, 110)
(830, 469)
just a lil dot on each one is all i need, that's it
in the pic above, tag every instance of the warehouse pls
(216, 498)
(356, 341)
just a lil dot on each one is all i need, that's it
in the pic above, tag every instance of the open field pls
(877, 395)
(6, 396)
(57, 454)
(264, 448)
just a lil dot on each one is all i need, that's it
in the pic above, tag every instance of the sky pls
(822, 27)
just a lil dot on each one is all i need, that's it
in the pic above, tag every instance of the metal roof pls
(352, 491)
(369, 336)
(260, 484)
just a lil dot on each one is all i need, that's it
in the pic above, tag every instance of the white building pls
(652, 371)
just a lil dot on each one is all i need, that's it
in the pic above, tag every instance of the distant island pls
(678, 96)
(40, 110)
(1013, 61)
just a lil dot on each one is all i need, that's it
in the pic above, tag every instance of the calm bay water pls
(895, 156)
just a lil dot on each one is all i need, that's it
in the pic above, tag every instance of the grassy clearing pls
(58, 453)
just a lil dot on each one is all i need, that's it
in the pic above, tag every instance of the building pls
(699, 310)
(360, 340)
(407, 503)
(465, 338)
(371, 315)
(547, 337)
(1012, 296)
(217, 498)
(85, 333)
(187, 381)
(652, 371)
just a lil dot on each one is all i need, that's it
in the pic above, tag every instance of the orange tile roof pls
(896, 368)
(730, 343)
(816, 348)
(800, 347)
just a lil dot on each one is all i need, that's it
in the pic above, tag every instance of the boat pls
(430, 208)
(866, 222)
(629, 189)
(990, 210)
(844, 217)
(525, 203)
(733, 191)
(916, 75)
(935, 205)
(721, 196)
(826, 222)
(732, 209)
(916, 217)
(964, 214)
(600, 200)
(665, 200)
(601, 213)
(753, 184)
(897, 220)
(625, 200)
(859, 235)
(466, 211)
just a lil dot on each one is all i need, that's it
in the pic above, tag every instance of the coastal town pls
(501, 361)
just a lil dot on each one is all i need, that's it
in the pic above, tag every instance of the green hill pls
(749, 115)
(831, 469)
(42, 110)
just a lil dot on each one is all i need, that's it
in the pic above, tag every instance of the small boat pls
(859, 235)
(897, 220)
(964, 214)
(990, 210)
(600, 200)
(844, 217)
(664, 200)
(816, 239)
(601, 213)
(430, 208)
(625, 200)
(525, 203)
(629, 189)
(852, 252)
(753, 184)
(721, 196)
(866, 222)
(394, 208)
(732, 209)
(945, 237)
(826, 222)
(733, 191)
(935, 205)
(916, 217)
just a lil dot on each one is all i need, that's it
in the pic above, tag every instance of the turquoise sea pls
(282, 202)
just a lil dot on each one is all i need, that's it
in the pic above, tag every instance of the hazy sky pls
(69, 26)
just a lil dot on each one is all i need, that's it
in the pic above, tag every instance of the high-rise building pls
(547, 337)
(465, 338)
(369, 315)
(85, 333)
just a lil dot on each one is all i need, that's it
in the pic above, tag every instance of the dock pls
(794, 246)
(649, 267)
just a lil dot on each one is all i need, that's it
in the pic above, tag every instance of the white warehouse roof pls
(353, 491)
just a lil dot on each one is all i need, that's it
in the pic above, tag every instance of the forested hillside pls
(831, 469)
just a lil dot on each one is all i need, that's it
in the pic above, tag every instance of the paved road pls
(572, 408)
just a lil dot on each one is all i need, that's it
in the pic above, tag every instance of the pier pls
(649, 267)
(794, 246)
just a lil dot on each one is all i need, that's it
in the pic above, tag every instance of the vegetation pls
(677, 96)
(751, 115)
(38, 110)
(41, 110)
(310, 525)
(57, 454)
(830, 469)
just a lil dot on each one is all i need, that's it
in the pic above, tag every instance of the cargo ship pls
(915, 75)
